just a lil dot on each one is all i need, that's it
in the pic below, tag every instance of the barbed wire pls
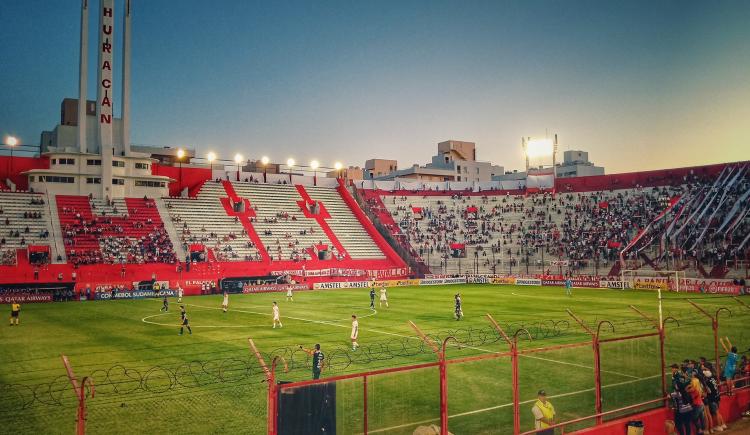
(121, 379)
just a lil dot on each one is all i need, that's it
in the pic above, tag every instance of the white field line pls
(177, 324)
(579, 365)
(323, 322)
(505, 405)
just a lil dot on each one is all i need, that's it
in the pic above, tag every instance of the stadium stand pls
(113, 231)
(580, 232)
(204, 220)
(24, 219)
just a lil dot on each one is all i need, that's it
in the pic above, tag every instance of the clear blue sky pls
(638, 84)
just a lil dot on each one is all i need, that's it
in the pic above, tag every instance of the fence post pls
(80, 391)
(273, 396)
(715, 327)
(513, 344)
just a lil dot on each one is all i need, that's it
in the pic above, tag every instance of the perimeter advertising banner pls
(443, 281)
(31, 293)
(528, 281)
(341, 284)
(580, 283)
(133, 294)
(269, 288)
(25, 298)
(692, 285)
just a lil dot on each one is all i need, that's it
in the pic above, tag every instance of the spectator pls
(544, 414)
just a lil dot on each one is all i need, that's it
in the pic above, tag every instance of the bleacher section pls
(204, 220)
(24, 221)
(112, 232)
(578, 232)
(352, 235)
(280, 223)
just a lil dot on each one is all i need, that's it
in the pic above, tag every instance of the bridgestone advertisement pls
(443, 281)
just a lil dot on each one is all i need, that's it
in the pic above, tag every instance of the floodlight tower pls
(535, 147)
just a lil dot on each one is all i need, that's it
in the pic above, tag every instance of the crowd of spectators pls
(114, 238)
(585, 230)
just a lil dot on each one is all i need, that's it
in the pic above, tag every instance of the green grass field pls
(150, 380)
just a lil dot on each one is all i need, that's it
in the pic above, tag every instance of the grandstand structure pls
(695, 220)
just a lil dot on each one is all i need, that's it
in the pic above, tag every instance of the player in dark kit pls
(164, 304)
(458, 311)
(372, 298)
(185, 322)
(317, 360)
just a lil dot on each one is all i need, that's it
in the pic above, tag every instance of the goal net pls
(653, 279)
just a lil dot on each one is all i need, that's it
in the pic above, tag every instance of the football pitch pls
(149, 379)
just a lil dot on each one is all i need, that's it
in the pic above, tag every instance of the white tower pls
(105, 94)
(83, 65)
(126, 79)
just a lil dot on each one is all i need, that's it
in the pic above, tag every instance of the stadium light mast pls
(11, 141)
(539, 148)
(180, 156)
(211, 156)
(238, 159)
(314, 165)
(264, 160)
(338, 167)
(290, 165)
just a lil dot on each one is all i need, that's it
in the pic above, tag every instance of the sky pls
(638, 84)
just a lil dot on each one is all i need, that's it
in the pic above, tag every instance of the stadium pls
(161, 289)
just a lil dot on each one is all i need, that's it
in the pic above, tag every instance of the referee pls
(15, 310)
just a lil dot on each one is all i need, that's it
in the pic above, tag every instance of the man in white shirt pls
(276, 316)
(225, 303)
(355, 332)
(383, 297)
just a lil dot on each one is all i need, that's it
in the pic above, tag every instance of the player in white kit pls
(225, 303)
(383, 297)
(289, 295)
(179, 294)
(355, 332)
(276, 316)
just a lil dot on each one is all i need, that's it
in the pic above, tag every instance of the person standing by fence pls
(544, 414)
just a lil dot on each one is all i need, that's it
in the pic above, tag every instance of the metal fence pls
(464, 380)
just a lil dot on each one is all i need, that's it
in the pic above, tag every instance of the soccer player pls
(185, 323)
(289, 295)
(179, 294)
(355, 332)
(372, 298)
(458, 311)
(317, 360)
(15, 311)
(383, 297)
(276, 317)
(225, 303)
(568, 287)
(164, 304)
